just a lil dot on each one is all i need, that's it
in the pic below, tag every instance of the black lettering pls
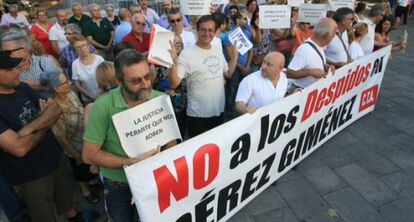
(202, 211)
(291, 119)
(343, 113)
(241, 147)
(185, 218)
(334, 120)
(312, 135)
(287, 155)
(248, 182)
(228, 196)
(325, 125)
(349, 114)
(276, 128)
(264, 130)
(267, 164)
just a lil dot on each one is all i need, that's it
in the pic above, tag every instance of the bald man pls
(57, 33)
(309, 62)
(263, 87)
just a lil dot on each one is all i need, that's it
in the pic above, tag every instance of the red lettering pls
(321, 98)
(199, 163)
(330, 93)
(310, 104)
(369, 98)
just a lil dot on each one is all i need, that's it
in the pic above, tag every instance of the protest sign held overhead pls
(295, 3)
(220, 2)
(212, 176)
(242, 42)
(195, 7)
(146, 126)
(312, 13)
(335, 4)
(274, 16)
(159, 52)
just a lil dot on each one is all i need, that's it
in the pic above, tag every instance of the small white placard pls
(195, 7)
(274, 16)
(312, 13)
(335, 4)
(146, 126)
(220, 2)
(243, 44)
(295, 3)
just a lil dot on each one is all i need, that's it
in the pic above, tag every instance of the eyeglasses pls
(140, 23)
(9, 52)
(139, 80)
(175, 20)
(81, 47)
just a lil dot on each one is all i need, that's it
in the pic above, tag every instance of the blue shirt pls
(121, 31)
(242, 59)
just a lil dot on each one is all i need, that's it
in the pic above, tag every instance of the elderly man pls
(125, 27)
(309, 61)
(176, 19)
(163, 21)
(149, 13)
(13, 19)
(78, 17)
(27, 141)
(337, 52)
(205, 70)
(99, 31)
(263, 87)
(68, 54)
(102, 146)
(375, 15)
(57, 32)
(137, 36)
(18, 45)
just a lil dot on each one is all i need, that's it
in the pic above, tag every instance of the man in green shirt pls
(99, 31)
(102, 146)
(78, 17)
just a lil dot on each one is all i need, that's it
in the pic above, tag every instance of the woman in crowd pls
(382, 35)
(69, 129)
(83, 69)
(360, 30)
(261, 42)
(360, 11)
(251, 6)
(110, 15)
(40, 30)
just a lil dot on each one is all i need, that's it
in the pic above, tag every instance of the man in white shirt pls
(13, 19)
(150, 15)
(337, 52)
(375, 15)
(57, 33)
(205, 70)
(263, 87)
(309, 61)
(176, 19)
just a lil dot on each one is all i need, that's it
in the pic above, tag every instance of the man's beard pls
(141, 95)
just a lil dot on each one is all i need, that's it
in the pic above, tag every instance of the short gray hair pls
(93, 5)
(135, 16)
(19, 36)
(76, 4)
(321, 29)
(375, 10)
(107, 6)
(74, 28)
(49, 79)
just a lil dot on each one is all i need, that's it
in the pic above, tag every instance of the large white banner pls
(212, 176)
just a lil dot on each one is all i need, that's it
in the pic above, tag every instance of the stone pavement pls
(365, 173)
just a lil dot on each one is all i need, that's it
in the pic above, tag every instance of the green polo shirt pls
(101, 34)
(101, 129)
(81, 23)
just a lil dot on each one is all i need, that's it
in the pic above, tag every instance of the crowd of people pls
(61, 83)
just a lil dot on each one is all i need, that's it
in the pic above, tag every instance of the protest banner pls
(212, 176)
(195, 7)
(335, 4)
(274, 16)
(146, 126)
(243, 44)
(295, 3)
(312, 13)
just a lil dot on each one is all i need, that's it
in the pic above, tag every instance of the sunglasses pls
(175, 20)
(9, 52)
(139, 80)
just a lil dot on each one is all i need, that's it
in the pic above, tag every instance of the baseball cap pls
(7, 62)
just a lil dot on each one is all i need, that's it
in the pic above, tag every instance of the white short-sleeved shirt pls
(335, 52)
(355, 50)
(216, 43)
(8, 19)
(86, 75)
(307, 58)
(367, 42)
(403, 3)
(204, 70)
(257, 91)
(188, 39)
(57, 33)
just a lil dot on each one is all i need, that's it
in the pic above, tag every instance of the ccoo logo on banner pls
(212, 176)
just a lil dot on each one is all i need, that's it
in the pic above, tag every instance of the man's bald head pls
(324, 31)
(124, 14)
(278, 57)
(273, 64)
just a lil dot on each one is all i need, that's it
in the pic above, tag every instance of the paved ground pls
(365, 173)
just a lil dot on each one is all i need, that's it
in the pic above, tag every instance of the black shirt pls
(17, 110)
(102, 33)
(84, 19)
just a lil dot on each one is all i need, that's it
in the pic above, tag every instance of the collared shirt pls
(368, 41)
(121, 31)
(57, 33)
(101, 129)
(141, 46)
(81, 23)
(335, 52)
(69, 54)
(8, 19)
(257, 91)
(100, 33)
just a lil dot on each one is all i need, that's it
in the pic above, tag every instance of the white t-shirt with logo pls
(204, 70)
(86, 75)
(257, 91)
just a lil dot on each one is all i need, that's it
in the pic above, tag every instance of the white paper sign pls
(146, 126)
(295, 3)
(335, 4)
(160, 45)
(220, 2)
(242, 42)
(274, 16)
(195, 7)
(312, 13)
